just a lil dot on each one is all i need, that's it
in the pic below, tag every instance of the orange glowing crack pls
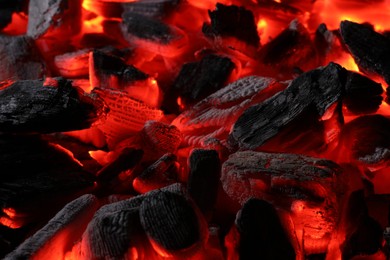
(66, 151)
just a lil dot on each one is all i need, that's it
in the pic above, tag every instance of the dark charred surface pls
(371, 50)
(262, 235)
(45, 107)
(197, 80)
(232, 21)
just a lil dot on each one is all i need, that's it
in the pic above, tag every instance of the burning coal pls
(172, 129)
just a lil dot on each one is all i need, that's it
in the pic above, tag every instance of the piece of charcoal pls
(20, 58)
(170, 222)
(152, 8)
(110, 234)
(324, 40)
(371, 50)
(60, 233)
(108, 71)
(366, 140)
(316, 91)
(73, 64)
(291, 48)
(363, 95)
(197, 80)
(53, 105)
(127, 160)
(214, 116)
(363, 233)
(203, 179)
(261, 233)
(232, 21)
(307, 187)
(158, 175)
(54, 16)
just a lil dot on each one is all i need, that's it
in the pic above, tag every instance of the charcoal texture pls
(371, 50)
(203, 179)
(146, 28)
(153, 8)
(45, 107)
(170, 221)
(363, 95)
(261, 233)
(315, 90)
(197, 80)
(232, 21)
(106, 67)
(20, 58)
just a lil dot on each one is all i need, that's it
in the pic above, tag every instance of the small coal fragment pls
(53, 105)
(60, 233)
(73, 64)
(158, 175)
(152, 8)
(367, 140)
(291, 48)
(170, 221)
(363, 95)
(111, 233)
(232, 21)
(261, 233)
(109, 71)
(54, 16)
(146, 28)
(315, 90)
(214, 116)
(371, 50)
(203, 179)
(324, 40)
(20, 58)
(197, 80)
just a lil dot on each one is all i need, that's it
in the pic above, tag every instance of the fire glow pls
(183, 127)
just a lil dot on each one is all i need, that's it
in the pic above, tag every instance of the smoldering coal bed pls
(172, 129)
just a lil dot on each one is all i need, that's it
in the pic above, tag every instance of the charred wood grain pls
(214, 116)
(203, 179)
(47, 106)
(197, 80)
(232, 21)
(262, 235)
(371, 50)
(315, 90)
(20, 58)
(109, 71)
(48, 16)
(54, 237)
(170, 221)
(292, 48)
(366, 140)
(363, 95)
(158, 175)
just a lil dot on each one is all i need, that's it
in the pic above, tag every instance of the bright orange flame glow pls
(261, 25)
(66, 151)
(180, 103)
(10, 219)
(347, 62)
(94, 25)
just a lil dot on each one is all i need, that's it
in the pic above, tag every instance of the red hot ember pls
(173, 129)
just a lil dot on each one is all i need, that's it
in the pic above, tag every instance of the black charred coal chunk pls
(363, 95)
(371, 50)
(291, 48)
(152, 8)
(315, 91)
(20, 58)
(324, 39)
(232, 21)
(7, 8)
(170, 221)
(47, 106)
(367, 138)
(106, 67)
(203, 179)
(146, 28)
(197, 80)
(261, 233)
